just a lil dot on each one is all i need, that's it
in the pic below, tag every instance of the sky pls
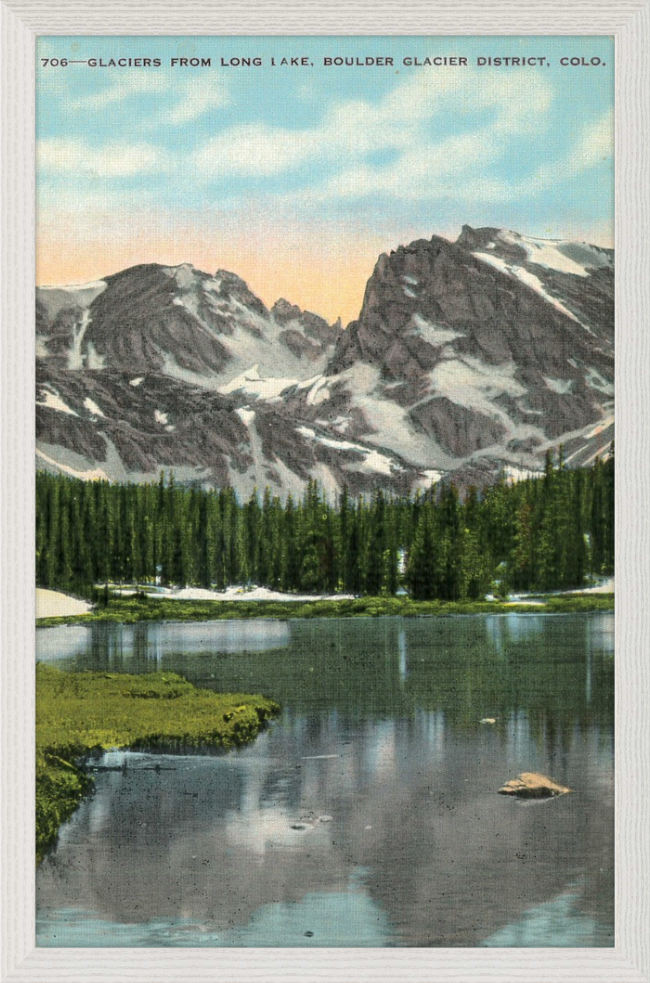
(297, 176)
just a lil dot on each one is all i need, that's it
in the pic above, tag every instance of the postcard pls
(325, 492)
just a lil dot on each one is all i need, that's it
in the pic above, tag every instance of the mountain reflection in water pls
(367, 814)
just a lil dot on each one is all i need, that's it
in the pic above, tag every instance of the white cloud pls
(594, 145)
(200, 97)
(257, 150)
(59, 155)
(521, 101)
(186, 100)
(410, 180)
(119, 89)
(424, 161)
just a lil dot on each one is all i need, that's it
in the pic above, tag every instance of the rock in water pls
(530, 785)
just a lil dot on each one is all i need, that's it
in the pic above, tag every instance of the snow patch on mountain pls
(253, 384)
(322, 473)
(560, 386)
(94, 286)
(318, 392)
(373, 462)
(431, 477)
(94, 361)
(433, 334)
(255, 345)
(56, 299)
(184, 275)
(604, 424)
(245, 415)
(75, 358)
(601, 452)
(54, 402)
(94, 474)
(475, 385)
(309, 383)
(518, 474)
(376, 463)
(389, 426)
(596, 381)
(339, 445)
(92, 406)
(339, 424)
(171, 368)
(565, 256)
(532, 281)
(214, 285)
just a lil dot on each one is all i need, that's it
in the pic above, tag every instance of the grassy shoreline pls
(78, 714)
(129, 610)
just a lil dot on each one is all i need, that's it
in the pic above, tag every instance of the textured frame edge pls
(17, 487)
(629, 962)
(313, 17)
(632, 215)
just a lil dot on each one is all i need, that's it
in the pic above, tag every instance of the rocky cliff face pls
(179, 322)
(491, 341)
(467, 358)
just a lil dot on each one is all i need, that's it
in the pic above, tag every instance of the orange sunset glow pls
(322, 270)
(326, 275)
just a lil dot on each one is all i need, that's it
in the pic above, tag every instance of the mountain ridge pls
(468, 358)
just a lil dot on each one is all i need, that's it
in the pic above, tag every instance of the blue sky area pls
(263, 159)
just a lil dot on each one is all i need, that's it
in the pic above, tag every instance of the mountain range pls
(468, 359)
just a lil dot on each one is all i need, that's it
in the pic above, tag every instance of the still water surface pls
(368, 813)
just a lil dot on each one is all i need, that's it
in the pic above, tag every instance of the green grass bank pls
(81, 713)
(129, 610)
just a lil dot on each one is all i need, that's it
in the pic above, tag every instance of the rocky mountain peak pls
(307, 323)
(470, 237)
(467, 357)
(564, 256)
(284, 311)
(230, 285)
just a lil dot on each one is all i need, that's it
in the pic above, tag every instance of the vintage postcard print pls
(325, 491)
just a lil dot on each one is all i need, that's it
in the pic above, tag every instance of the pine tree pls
(375, 545)
(542, 534)
(289, 561)
(421, 566)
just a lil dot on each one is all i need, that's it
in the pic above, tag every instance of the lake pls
(367, 814)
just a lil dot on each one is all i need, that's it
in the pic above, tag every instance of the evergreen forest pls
(543, 533)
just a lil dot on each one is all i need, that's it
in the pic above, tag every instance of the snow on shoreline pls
(604, 587)
(232, 594)
(55, 604)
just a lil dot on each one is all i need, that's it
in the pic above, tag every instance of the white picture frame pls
(629, 22)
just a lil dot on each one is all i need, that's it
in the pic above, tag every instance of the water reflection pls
(558, 920)
(147, 644)
(346, 918)
(485, 666)
(368, 811)
(504, 631)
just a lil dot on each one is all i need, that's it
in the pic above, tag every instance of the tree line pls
(542, 533)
